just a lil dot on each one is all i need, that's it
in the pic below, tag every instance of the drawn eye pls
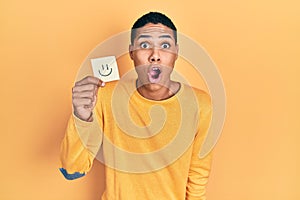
(165, 45)
(145, 45)
(103, 67)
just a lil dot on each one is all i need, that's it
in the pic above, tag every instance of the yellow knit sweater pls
(150, 148)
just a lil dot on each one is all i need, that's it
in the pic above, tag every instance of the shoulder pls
(110, 85)
(108, 88)
(202, 96)
(105, 93)
(114, 87)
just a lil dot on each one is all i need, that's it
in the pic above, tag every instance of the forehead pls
(154, 30)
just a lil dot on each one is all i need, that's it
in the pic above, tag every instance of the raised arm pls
(83, 134)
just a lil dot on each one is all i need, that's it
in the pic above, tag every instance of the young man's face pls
(154, 53)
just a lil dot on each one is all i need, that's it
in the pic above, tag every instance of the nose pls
(154, 57)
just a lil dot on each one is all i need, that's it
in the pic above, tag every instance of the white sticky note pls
(105, 68)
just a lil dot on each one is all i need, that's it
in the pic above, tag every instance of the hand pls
(84, 97)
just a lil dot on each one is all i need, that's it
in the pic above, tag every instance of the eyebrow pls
(144, 36)
(149, 36)
(165, 36)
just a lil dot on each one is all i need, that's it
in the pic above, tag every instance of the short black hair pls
(155, 18)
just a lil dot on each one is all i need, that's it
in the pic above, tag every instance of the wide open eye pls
(145, 45)
(165, 46)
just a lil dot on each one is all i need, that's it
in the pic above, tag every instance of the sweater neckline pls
(170, 99)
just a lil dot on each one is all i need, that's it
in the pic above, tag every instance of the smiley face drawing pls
(105, 71)
(105, 68)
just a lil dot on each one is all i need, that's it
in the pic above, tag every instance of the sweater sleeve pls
(200, 167)
(79, 147)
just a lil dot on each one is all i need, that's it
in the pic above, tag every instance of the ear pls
(177, 51)
(131, 51)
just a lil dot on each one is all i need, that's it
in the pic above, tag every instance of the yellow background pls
(255, 45)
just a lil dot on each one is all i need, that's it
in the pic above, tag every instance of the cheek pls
(169, 59)
(140, 58)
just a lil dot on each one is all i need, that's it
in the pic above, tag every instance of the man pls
(113, 119)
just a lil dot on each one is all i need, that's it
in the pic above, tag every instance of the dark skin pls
(154, 46)
(154, 53)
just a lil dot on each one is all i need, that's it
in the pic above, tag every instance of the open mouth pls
(154, 74)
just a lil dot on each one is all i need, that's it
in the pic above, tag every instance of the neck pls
(158, 92)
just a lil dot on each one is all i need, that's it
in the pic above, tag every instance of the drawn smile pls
(106, 71)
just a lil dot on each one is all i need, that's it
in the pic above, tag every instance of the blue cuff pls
(71, 176)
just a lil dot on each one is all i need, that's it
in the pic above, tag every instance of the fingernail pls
(102, 84)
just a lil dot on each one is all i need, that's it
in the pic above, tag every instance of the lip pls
(151, 69)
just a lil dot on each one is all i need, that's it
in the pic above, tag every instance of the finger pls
(91, 80)
(86, 94)
(84, 88)
(78, 102)
(96, 92)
